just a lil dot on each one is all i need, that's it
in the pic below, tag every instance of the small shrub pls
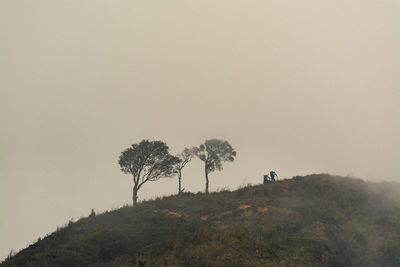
(92, 214)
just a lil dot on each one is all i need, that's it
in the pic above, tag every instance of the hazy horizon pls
(295, 87)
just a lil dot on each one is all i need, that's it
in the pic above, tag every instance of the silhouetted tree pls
(213, 152)
(147, 161)
(186, 156)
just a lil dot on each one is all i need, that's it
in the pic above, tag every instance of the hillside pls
(318, 220)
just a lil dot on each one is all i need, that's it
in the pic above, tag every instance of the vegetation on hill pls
(149, 161)
(317, 220)
(213, 153)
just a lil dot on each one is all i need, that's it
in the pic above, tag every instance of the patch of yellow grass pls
(243, 207)
(204, 217)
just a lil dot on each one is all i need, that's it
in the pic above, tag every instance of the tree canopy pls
(213, 153)
(147, 161)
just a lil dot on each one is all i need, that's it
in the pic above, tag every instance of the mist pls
(295, 87)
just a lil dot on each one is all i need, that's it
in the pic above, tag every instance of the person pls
(266, 178)
(273, 175)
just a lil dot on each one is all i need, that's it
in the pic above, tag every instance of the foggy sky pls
(299, 87)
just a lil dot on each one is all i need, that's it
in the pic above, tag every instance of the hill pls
(317, 220)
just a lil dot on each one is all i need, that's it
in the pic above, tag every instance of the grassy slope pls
(313, 220)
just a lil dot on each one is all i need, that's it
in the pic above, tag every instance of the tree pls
(147, 161)
(185, 157)
(213, 152)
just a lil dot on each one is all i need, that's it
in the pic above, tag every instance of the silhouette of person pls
(266, 178)
(273, 175)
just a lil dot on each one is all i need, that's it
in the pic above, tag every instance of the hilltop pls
(318, 220)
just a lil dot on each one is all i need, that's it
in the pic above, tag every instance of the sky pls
(298, 87)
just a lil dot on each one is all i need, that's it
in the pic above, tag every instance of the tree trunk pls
(206, 172)
(206, 183)
(134, 196)
(180, 183)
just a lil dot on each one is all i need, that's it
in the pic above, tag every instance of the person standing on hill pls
(266, 179)
(273, 175)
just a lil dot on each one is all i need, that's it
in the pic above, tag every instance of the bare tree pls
(147, 161)
(185, 157)
(213, 152)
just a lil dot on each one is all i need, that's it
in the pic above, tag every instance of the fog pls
(299, 87)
